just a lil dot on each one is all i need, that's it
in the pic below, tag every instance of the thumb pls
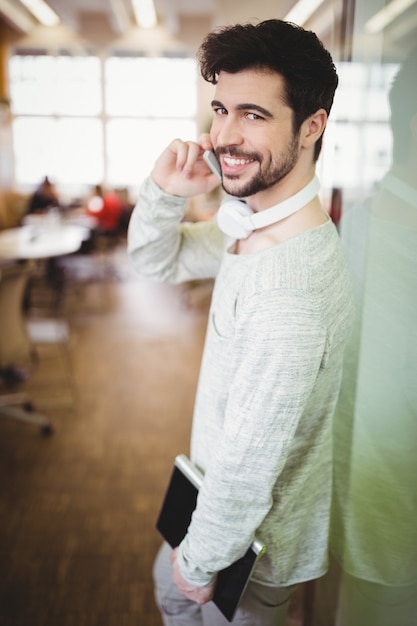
(173, 555)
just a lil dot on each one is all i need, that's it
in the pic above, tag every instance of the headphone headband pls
(238, 220)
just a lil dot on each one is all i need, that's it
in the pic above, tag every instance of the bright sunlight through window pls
(83, 122)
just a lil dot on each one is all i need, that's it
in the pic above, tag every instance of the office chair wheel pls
(47, 430)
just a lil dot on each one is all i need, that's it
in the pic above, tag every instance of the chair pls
(53, 333)
(18, 406)
(15, 345)
(13, 207)
(49, 336)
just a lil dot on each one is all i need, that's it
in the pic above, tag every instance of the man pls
(279, 319)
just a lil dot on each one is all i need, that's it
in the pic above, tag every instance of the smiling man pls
(260, 163)
(280, 316)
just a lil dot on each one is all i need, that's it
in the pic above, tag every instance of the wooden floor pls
(77, 509)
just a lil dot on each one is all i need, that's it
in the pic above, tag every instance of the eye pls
(253, 116)
(219, 111)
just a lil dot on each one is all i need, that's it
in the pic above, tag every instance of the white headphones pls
(238, 221)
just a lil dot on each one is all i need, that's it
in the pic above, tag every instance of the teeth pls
(233, 162)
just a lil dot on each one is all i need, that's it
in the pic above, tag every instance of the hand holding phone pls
(211, 160)
(181, 170)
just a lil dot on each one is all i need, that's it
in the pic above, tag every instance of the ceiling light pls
(42, 12)
(119, 17)
(145, 13)
(304, 9)
(385, 16)
(16, 16)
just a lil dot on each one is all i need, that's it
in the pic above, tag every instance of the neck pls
(288, 186)
(307, 218)
(401, 189)
(287, 207)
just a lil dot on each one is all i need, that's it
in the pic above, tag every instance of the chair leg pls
(18, 407)
(52, 335)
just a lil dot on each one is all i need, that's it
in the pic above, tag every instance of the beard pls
(268, 174)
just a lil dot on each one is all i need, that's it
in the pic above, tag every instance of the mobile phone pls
(211, 160)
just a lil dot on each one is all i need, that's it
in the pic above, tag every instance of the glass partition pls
(372, 160)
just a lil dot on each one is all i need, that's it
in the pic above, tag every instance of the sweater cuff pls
(156, 196)
(191, 573)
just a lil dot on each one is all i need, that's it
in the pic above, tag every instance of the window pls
(83, 122)
(62, 85)
(68, 150)
(148, 102)
(150, 87)
(358, 136)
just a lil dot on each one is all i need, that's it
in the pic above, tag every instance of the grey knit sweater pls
(269, 381)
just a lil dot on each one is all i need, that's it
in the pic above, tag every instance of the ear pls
(313, 128)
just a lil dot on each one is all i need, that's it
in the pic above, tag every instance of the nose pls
(227, 133)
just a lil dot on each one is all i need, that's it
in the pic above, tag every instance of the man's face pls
(252, 131)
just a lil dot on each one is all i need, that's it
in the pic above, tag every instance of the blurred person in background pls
(43, 198)
(107, 208)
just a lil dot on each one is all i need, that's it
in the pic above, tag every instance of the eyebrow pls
(245, 106)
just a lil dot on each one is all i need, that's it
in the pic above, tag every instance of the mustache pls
(238, 154)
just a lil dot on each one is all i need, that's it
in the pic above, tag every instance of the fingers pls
(187, 154)
(181, 170)
(201, 595)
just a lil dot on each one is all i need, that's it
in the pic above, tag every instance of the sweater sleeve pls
(274, 374)
(164, 247)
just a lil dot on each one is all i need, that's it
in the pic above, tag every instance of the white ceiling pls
(107, 23)
(102, 22)
(169, 12)
(117, 15)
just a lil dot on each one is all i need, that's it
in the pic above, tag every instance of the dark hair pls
(297, 54)
(403, 105)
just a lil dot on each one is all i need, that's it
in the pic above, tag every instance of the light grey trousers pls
(260, 605)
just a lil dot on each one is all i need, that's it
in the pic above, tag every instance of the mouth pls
(232, 165)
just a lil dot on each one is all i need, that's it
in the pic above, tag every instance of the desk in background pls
(41, 241)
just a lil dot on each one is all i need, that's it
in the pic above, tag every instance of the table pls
(41, 241)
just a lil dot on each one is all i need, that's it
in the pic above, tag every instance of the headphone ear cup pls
(233, 218)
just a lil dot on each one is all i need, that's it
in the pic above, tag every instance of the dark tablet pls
(173, 521)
